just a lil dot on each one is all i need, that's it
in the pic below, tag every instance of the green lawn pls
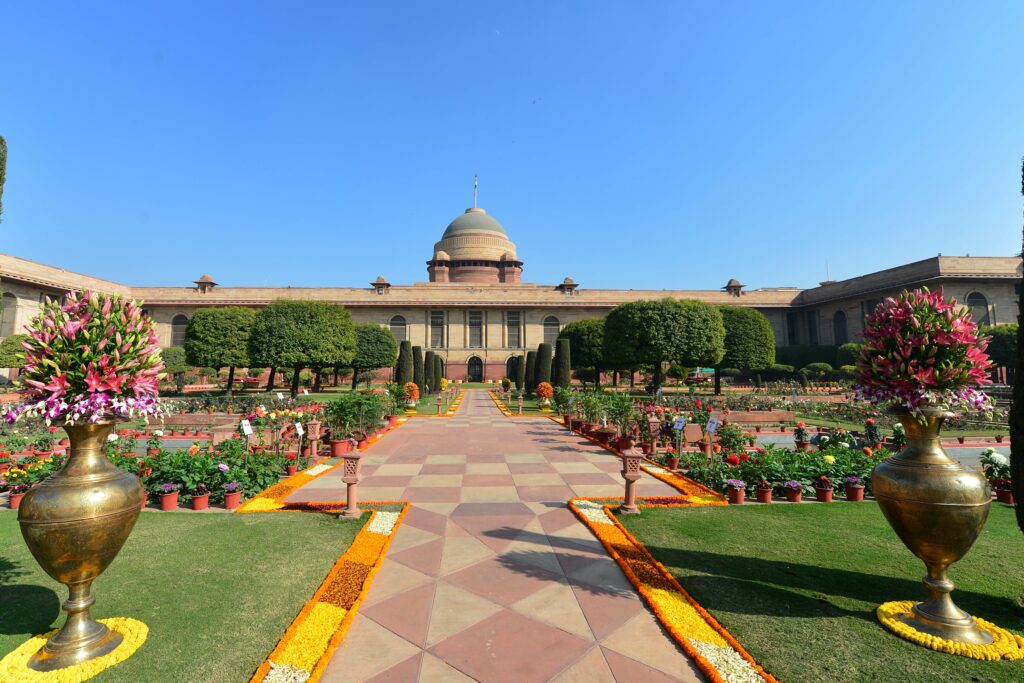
(798, 584)
(853, 426)
(216, 590)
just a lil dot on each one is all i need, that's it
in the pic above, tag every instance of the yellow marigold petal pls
(1006, 645)
(14, 667)
(260, 505)
(309, 641)
(677, 610)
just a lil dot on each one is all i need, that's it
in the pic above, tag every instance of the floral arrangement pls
(995, 465)
(93, 358)
(854, 482)
(872, 434)
(545, 390)
(792, 484)
(411, 391)
(800, 432)
(232, 487)
(736, 483)
(919, 349)
(899, 437)
(823, 482)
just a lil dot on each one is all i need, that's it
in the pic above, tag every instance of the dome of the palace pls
(474, 220)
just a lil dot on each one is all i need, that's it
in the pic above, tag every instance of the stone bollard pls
(520, 402)
(654, 426)
(313, 436)
(351, 479)
(631, 473)
(439, 404)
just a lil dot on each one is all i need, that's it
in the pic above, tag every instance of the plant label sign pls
(298, 429)
(280, 396)
(246, 428)
(305, 392)
(679, 423)
(712, 425)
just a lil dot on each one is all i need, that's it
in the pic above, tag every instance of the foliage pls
(94, 357)
(542, 367)
(12, 353)
(520, 375)
(545, 390)
(298, 334)
(919, 349)
(816, 369)
(428, 371)
(411, 391)
(403, 373)
(847, 354)
(622, 409)
(749, 340)
(417, 367)
(375, 348)
(354, 413)
(561, 375)
(996, 466)
(438, 375)
(531, 367)
(219, 337)
(1002, 348)
(730, 437)
(586, 343)
(562, 399)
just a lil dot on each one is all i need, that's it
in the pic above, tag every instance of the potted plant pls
(43, 445)
(412, 394)
(17, 482)
(200, 497)
(232, 495)
(763, 491)
(800, 436)
(794, 491)
(737, 489)
(153, 443)
(823, 489)
(544, 392)
(996, 467)
(999, 438)
(671, 458)
(291, 465)
(872, 434)
(168, 496)
(854, 487)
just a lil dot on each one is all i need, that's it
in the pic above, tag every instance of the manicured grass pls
(216, 590)
(798, 585)
(853, 426)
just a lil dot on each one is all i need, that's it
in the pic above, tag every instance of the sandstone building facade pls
(476, 313)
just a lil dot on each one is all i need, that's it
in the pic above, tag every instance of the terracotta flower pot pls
(960, 439)
(361, 445)
(645, 448)
(1005, 496)
(201, 502)
(757, 428)
(736, 496)
(340, 448)
(152, 452)
(291, 470)
(999, 439)
(232, 500)
(794, 495)
(854, 494)
(4, 466)
(14, 500)
(624, 443)
(392, 420)
(672, 462)
(169, 501)
(823, 495)
(802, 445)
(764, 495)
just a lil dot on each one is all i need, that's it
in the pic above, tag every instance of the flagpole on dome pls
(476, 186)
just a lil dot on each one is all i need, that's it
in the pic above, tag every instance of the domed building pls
(475, 248)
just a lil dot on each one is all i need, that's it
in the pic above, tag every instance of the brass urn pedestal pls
(937, 508)
(75, 523)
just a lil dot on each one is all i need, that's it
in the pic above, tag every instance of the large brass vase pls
(75, 523)
(937, 508)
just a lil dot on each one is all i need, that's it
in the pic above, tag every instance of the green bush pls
(847, 354)
(816, 369)
(801, 355)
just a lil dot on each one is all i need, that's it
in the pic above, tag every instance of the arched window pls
(551, 330)
(839, 334)
(398, 328)
(179, 324)
(8, 314)
(978, 304)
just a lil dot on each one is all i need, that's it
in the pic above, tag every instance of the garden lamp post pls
(314, 437)
(439, 404)
(631, 473)
(351, 479)
(519, 401)
(654, 426)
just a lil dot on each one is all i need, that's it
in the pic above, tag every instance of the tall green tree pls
(1002, 349)
(542, 367)
(586, 345)
(654, 332)
(520, 372)
(219, 337)
(428, 370)
(301, 334)
(1017, 407)
(562, 373)
(531, 371)
(375, 348)
(3, 172)
(403, 371)
(749, 341)
(417, 367)
(438, 373)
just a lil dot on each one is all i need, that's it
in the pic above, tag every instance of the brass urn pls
(75, 523)
(937, 508)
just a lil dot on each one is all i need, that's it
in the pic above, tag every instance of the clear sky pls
(625, 144)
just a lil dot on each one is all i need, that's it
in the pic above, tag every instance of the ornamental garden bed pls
(217, 591)
(774, 577)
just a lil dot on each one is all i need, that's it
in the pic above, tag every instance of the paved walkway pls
(491, 578)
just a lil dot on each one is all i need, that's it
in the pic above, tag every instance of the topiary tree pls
(428, 370)
(847, 354)
(542, 365)
(301, 334)
(1017, 406)
(375, 348)
(417, 367)
(586, 345)
(749, 341)
(520, 372)
(562, 374)
(403, 371)
(653, 332)
(438, 373)
(12, 353)
(531, 368)
(219, 337)
(175, 365)
(1002, 349)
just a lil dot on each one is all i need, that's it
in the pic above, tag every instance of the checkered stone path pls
(491, 578)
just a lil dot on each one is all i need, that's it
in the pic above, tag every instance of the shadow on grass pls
(24, 608)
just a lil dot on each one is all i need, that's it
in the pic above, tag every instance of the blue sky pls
(624, 144)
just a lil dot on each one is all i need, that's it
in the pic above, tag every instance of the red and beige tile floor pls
(490, 577)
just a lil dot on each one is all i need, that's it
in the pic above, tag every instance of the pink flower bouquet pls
(90, 359)
(919, 349)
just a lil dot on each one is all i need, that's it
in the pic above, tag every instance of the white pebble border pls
(285, 673)
(727, 662)
(383, 523)
(592, 511)
(317, 469)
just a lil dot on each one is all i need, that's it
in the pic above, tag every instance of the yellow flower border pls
(1007, 645)
(14, 666)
